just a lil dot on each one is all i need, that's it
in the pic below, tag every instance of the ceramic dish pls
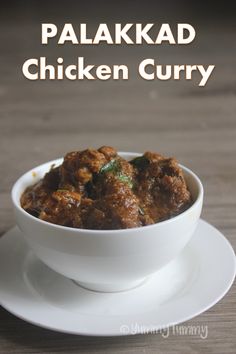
(190, 284)
(107, 260)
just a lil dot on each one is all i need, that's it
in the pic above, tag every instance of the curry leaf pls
(126, 179)
(140, 162)
(111, 166)
(114, 167)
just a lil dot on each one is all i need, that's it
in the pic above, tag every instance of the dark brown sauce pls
(98, 189)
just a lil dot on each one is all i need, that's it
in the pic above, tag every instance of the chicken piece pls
(52, 178)
(78, 167)
(98, 189)
(119, 203)
(108, 151)
(161, 188)
(62, 208)
(153, 156)
(92, 159)
(34, 197)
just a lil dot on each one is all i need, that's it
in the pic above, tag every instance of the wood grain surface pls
(40, 121)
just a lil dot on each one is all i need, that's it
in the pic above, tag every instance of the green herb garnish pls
(126, 179)
(111, 166)
(114, 167)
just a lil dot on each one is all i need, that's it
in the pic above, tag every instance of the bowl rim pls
(16, 203)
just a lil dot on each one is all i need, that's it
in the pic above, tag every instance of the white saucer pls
(189, 285)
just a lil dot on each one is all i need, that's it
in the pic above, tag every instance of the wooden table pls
(40, 121)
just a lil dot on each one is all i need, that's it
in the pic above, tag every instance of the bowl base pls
(111, 288)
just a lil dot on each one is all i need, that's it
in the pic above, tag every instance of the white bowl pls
(107, 260)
